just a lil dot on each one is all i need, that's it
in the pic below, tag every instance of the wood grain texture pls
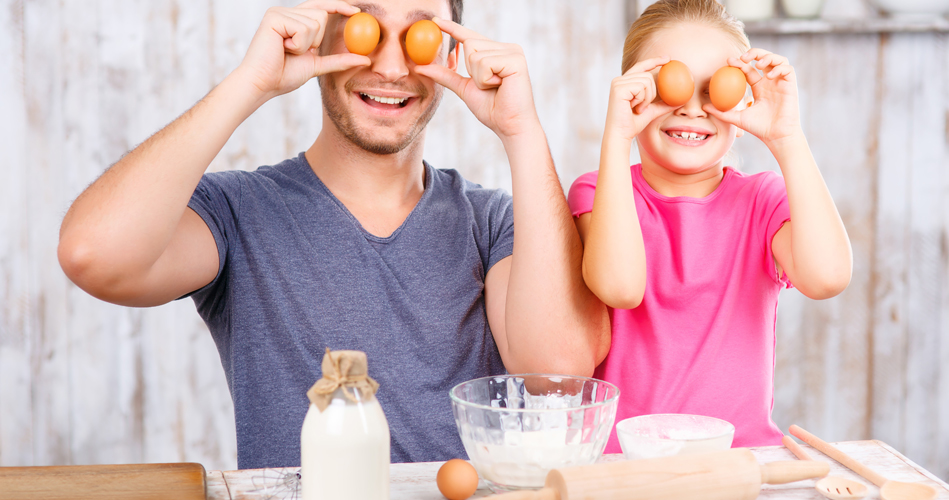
(182, 481)
(84, 382)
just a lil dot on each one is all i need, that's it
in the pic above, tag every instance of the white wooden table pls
(417, 481)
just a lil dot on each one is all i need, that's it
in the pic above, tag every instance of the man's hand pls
(499, 89)
(284, 53)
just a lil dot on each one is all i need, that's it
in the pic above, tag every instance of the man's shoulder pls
(450, 183)
(264, 179)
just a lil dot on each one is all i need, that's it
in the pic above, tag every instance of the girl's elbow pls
(623, 301)
(620, 297)
(828, 285)
(615, 291)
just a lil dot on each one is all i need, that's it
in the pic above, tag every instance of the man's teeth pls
(690, 136)
(387, 100)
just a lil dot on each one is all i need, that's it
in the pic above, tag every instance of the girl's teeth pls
(386, 100)
(690, 136)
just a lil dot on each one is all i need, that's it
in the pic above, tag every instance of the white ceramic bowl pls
(667, 434)
(516, 428)
(913, 8)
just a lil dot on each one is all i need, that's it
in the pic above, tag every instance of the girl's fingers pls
(732, 117)
(753, 54)
(782, 71)
(773, 60)
(751, 74)
(647, 65)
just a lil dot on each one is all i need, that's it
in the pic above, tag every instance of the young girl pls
(690, 254)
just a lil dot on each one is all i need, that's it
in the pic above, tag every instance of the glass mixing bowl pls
(516, 428)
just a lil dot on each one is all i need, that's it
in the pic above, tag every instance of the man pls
(355, 244)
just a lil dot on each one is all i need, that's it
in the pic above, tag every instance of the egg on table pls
(457, 479)
(727, 88)
(361, 34)
(422, 41)
(674, 83)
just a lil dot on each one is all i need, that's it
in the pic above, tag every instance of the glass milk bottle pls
(345, 438)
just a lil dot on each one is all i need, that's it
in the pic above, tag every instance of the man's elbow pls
(92, 271)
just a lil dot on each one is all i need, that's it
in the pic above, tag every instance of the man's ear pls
(452, 62)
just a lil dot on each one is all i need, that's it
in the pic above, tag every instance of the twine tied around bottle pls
(343, 370)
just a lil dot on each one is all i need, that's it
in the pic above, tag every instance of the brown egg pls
(457, 479)
(675, 83)
(727, 88)
(361, 34)
(423, 41)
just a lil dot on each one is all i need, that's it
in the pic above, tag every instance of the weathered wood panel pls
(82, 381)
(822, 343)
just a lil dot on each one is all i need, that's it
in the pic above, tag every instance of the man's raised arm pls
(130, 237)
(543, 317)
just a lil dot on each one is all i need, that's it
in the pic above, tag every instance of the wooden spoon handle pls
(837, 455)
(795, 448)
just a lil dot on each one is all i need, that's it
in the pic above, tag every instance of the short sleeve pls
(580, 197)
(774, 212)
(502, 230)
(216, 200)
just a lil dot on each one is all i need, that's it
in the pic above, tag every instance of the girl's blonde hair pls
(666, 13)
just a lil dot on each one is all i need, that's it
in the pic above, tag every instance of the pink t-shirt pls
(702, 341)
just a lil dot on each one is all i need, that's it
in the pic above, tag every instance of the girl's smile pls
(689, 140)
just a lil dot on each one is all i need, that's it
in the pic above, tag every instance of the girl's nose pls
(693, 108)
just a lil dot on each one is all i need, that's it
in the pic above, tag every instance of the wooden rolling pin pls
(722, 475)
(181, 481)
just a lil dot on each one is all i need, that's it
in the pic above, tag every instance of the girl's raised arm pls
(813, 248)
(614, 258)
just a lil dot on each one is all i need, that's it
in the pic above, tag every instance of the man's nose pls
(389, 61)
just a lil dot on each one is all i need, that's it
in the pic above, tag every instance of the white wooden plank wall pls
(83, 382)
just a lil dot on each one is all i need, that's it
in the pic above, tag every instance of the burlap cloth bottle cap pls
(346, 370)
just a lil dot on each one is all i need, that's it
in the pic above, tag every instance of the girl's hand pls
(633, 100)
(774, 115)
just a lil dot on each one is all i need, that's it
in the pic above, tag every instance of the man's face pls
(384, 107)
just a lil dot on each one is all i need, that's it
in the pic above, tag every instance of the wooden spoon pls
(833, 487)
(889, 490)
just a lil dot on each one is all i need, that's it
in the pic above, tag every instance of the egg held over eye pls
(726, 88)
(423, 41)
(674, 83)
(361, 34)
(457, 479)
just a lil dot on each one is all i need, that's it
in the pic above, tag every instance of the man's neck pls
(379, 190)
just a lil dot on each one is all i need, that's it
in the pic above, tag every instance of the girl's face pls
(689, 140)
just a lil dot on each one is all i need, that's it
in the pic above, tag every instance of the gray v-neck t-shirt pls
(298, 274)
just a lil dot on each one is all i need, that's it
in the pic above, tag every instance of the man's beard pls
(364, 139)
